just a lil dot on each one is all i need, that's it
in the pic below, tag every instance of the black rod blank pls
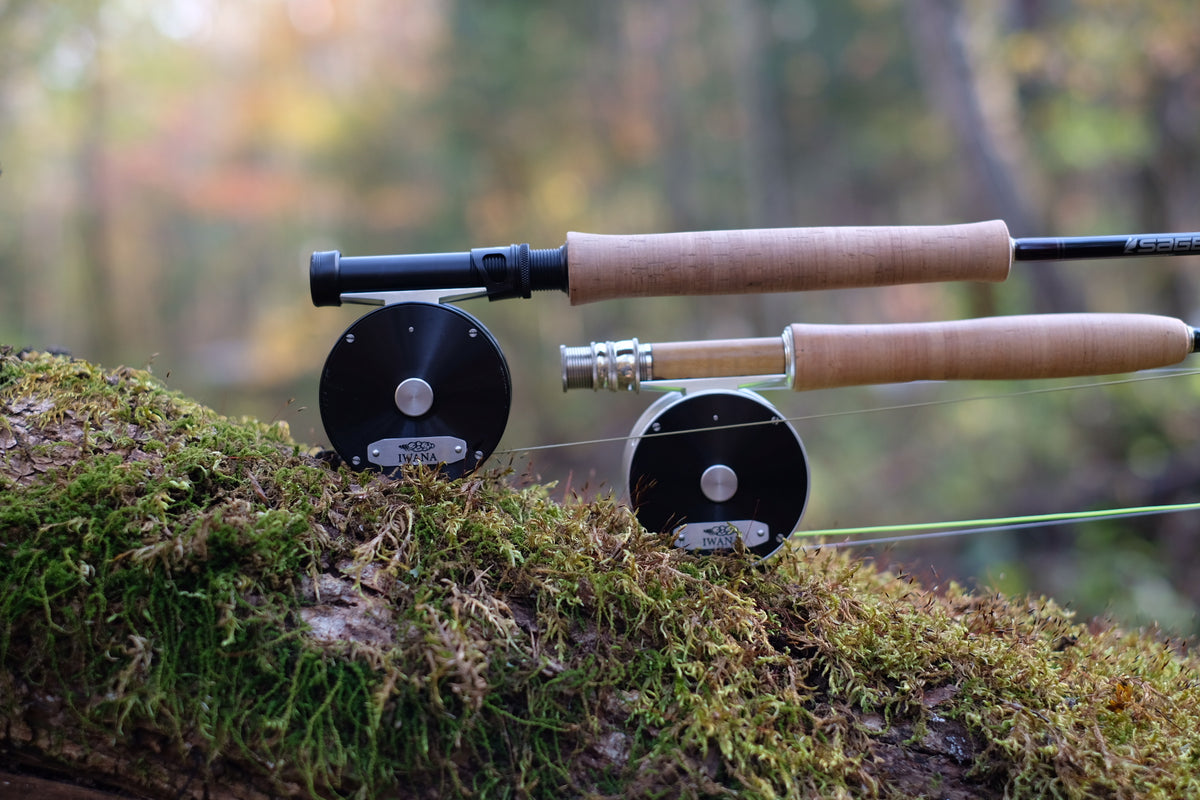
(1081, 247)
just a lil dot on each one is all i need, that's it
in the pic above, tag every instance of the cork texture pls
(1016, 347)
(607, 267)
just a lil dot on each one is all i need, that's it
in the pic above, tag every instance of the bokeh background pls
(169, 165)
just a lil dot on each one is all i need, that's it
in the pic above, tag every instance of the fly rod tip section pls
(1070, 248)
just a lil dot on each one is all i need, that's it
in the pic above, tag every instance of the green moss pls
(170, 574)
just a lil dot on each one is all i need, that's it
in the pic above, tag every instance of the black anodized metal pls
(689, 436)
(1085, 247)
(442, 345)
(502, 272)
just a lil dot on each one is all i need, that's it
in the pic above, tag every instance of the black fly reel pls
(418, 381)
(716, 467)
(415, 383)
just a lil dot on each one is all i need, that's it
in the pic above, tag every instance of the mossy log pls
(196, 607)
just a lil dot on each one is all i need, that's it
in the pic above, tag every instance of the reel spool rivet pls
(414, 397)
(411, 329)
(375, 452)
(719, 483)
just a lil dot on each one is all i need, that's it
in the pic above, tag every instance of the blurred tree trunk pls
(673, 18)
(17, 302)
(986, 127)
(97, 267)
(764, 158)
(766, 173)
(10, 16)
(1170, 182)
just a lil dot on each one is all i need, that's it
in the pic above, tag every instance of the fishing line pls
(911, 532)
(914, 532)
(1151, 375)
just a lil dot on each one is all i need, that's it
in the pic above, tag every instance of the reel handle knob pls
(606, 267)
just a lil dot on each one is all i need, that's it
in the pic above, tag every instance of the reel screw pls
(479, 455)
(350, 338)
(473, 333)
(411, 329)
(656, 427)
(356, 461)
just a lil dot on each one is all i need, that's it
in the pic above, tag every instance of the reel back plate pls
(716, 466)
(415, 383)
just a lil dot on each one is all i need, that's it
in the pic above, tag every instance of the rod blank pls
(1082, 247)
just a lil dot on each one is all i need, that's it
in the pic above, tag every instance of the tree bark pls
(193, 607)
(15, 785)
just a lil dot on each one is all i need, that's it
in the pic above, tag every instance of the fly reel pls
(714, 467)
(715, 463)
(711, 462)
(419, 381)
(415, 383)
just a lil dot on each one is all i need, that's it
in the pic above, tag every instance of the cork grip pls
(719, 358)
(607, 267)
(1017, 347)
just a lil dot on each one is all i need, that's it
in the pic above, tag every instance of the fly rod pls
(419, 380)
(811, 356)
(716, 465)
(594, 267)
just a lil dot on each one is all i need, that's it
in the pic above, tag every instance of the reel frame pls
(415, 382)
(719, 486)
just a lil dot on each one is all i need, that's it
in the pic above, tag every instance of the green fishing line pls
(995, 523)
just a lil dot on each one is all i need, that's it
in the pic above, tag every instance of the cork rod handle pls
(1016, 347)
(719, 358)
(607, 267)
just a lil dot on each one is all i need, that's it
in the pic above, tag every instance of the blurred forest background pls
(169, 165)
